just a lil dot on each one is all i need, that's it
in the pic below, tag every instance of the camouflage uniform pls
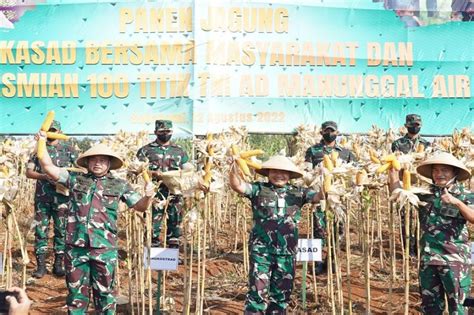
(314, 155)
(273, 245)
(165, 158)
(50, 204)
(91, 238)
(406, 144)
(445, 263)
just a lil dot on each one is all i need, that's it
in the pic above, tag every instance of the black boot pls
(58, 267)
(41, 266)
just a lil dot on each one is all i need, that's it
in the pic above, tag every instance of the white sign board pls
(162, 258)
(309, 250)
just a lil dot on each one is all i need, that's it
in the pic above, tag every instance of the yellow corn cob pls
(55, 135)
(253, 164)
(327, 163)
(146, 176)
(383, 168)
(243, 166)
(210, 150)
(234, 149)
(4, 170)
(48, 121)
(207, 179)
(406, 180)
(373, 156)
(396, 164)
(327, 183)
(334, 156)
(420, 148)
(250, 153)
(389, 158)
(360, 177)
(207, 167)
(210, 137)
(41, 148)
(343, 141)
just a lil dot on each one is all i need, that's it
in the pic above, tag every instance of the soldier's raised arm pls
(237, 183)
(51, 170)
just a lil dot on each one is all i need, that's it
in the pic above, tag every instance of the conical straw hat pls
(280, 162)
(424, 169)
(101, 149)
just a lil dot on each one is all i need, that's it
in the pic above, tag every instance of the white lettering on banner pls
(162, 258)
(309, 250)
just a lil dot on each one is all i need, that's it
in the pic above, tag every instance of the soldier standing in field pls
(276, 208)
(313, 157)
(163, 156)
(49, 203)
(445, 267)
(410, 142)
(91, 228)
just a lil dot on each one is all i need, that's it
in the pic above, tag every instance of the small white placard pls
(309, 250)
(472, 253)
(162, 258)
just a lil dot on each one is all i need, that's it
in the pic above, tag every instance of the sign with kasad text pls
(309, 250)
(162, 258)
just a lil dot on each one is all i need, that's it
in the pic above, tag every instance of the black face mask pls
(164, 137)
(414, 129)
(328, 137)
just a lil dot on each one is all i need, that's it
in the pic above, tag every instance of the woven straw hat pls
(446, 159)
(101, 149)
(280, 162)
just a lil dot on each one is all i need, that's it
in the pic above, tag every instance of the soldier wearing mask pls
(410, 142)
(164, 156)
(314, 156)
(50, 203)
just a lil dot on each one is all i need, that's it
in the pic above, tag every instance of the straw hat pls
(446, 159)
(101, 149)
(280, 162)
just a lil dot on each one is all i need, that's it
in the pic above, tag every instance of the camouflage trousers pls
(90, 267)
(436, 281)
(270, 283)
(44, 211)
(175, 217)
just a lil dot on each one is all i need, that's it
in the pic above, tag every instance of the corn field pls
(370, 269)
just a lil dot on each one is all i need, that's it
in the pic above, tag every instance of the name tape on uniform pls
(162, 258)
(309, 250)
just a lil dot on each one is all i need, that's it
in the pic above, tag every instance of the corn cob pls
(41, 148)
(334, 156)
(207, 179)
(360, 176)
(373, 156)
(383, 168)
(253, 164)
(396, 164)
(48, 121)
(58, 136)
(420, 148)
(251, 153)
(327, 182)
(389, 158)
(343, 141)
(406, 180)
(327, 163)
(146, 176)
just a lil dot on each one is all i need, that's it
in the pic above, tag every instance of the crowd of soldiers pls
(85, 222)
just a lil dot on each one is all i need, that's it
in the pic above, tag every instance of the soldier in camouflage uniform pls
(445, 267)
(50, 203)
(276, 208)
(314, 155)
(409, 142)
(164, 156)
(91, 230)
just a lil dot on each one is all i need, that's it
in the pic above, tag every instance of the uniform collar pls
(92, 176)
(157, 144)
(336, 146)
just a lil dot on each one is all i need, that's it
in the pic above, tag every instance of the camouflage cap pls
(329, 124)
(56, 125)
(163, 125)
(412, 119)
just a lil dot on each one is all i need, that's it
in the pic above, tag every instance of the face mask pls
(414, 130)
(328, 137)
(164, 137)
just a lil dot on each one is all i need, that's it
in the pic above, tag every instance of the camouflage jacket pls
(316, 153)
(62, 155)
(163, 158)
(445, 238)
(276, 213)
(406, 145)
(92, 217)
